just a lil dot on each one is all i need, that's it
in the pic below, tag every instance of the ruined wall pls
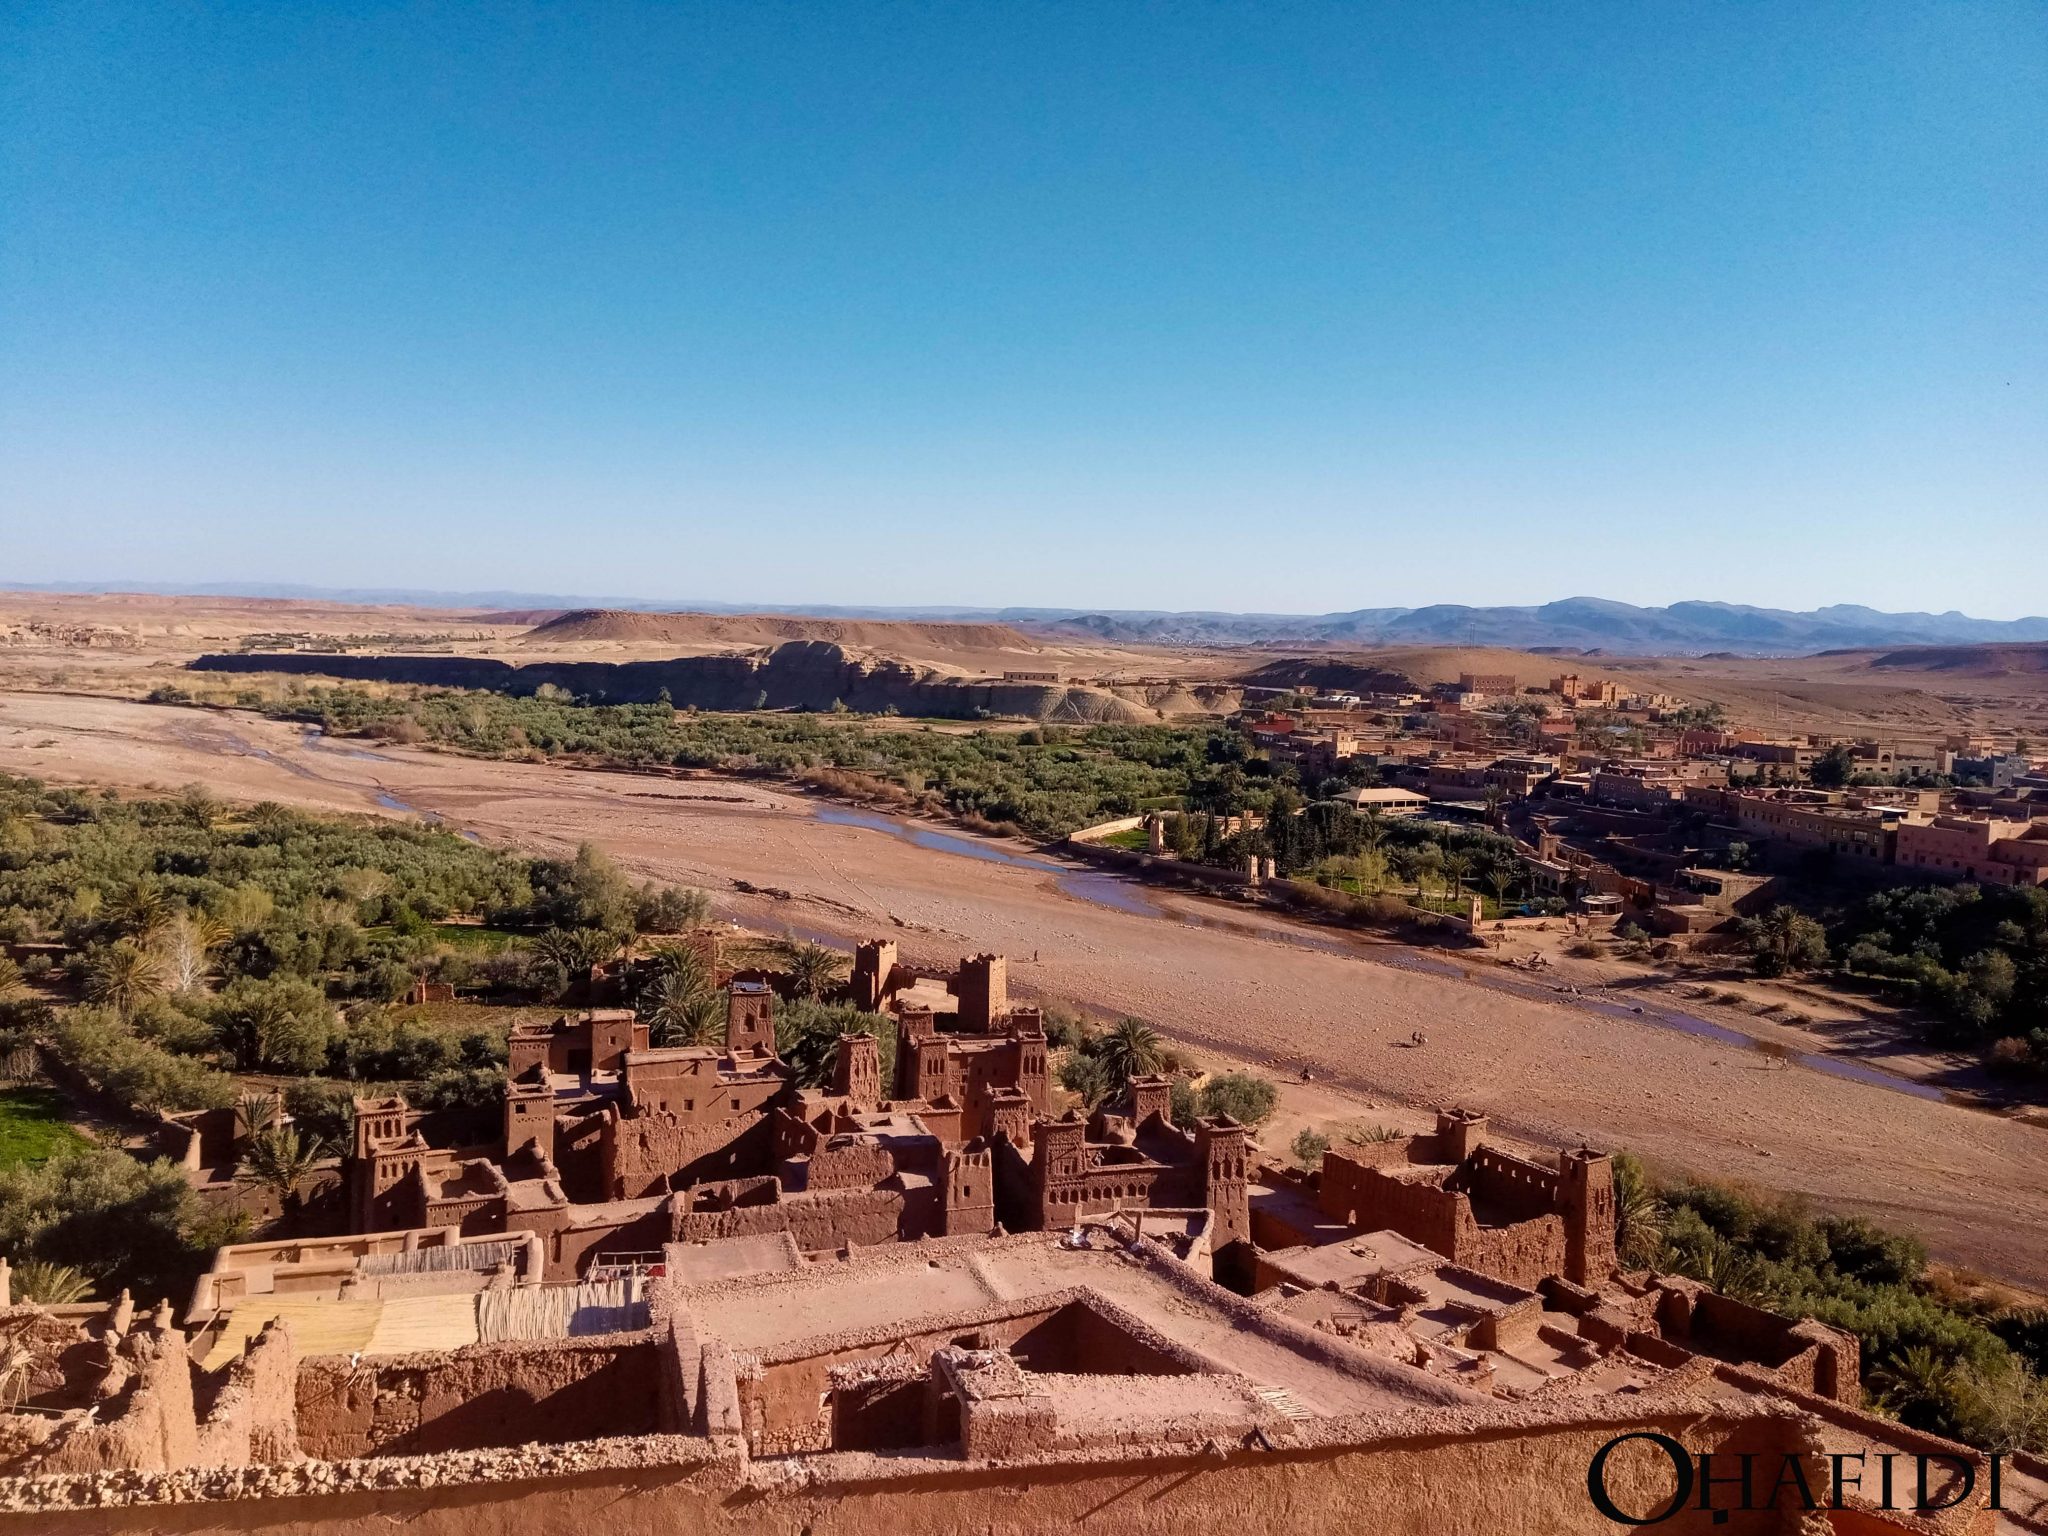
(852, 1163)
(647, 1154)
(572, 1236)
(1521, 1254)
(1369, 1199)
(543, 1392)
(1078, 1337)
(1510, 1188)
(815, 1222)
(145, 1415)
(252, 1414)
(786, 1403)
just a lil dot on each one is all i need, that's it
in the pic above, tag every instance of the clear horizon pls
(1289, 310)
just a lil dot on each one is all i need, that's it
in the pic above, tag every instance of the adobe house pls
(1476, 1205)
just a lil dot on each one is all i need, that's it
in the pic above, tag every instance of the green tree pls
(813, 969)
(1785, 939)
(1834, 767)
(1246, 1099)
(1309, 1147)
(281, 1160)
(282, 1024)
(1131, 1049)
(125, 976)
(122, 1222)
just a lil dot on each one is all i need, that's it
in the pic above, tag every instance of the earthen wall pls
(413, 1405)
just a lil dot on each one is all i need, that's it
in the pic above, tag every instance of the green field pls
(476, 936)
(33, 1128)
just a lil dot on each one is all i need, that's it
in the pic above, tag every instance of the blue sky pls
(1259, 306)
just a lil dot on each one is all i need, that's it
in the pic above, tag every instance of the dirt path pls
(1974, 1185)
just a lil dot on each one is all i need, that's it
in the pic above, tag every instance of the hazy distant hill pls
(1576, 623)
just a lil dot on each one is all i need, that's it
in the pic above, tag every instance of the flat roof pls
(908, 1287)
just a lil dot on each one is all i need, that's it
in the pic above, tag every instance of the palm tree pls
(1496, 797)
(573, 953)
(1456, 867)
(259, 1113)
(280, 1160)
(680, 1010)
(1911, 1377)
(10, 979)
(1500, 879)
(678, 960)
(1639, 1217)
(54, 1285)
(813, 970)
(1372, 828)
(249, 1025)
(142, 911)
(1132, 1049)
(125, 977)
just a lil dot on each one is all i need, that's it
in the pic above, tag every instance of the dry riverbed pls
(1549, 1067)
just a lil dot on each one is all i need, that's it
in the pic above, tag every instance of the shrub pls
(132, 1070)
(1309, 1147)
(121, 1222)
(324, 1108)
(462, 1088)
(1246, 1099)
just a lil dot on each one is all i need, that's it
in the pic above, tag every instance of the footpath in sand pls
(1975, 1185)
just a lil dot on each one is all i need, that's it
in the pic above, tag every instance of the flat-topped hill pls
(1969, 660)
(621, 626)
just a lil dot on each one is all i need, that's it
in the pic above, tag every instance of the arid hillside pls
(1987, 661)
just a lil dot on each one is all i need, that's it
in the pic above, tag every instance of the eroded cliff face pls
(802, 674)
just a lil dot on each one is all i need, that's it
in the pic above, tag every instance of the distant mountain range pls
(1573, 624)
(1577, 624)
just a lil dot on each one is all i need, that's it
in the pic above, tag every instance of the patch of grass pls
(476, 936)
(33, 1128)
